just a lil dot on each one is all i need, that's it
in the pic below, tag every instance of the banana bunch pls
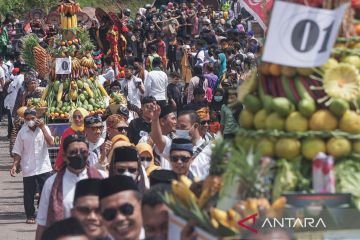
(88, 62)
(36, 103)
(117, 98)
(68, 22)
(255, 205)
(182, 192)
(75, 64)
(211, 186)
(228, 219)
(41, 60)
(69, 8)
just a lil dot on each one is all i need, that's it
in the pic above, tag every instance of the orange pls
(62, 115)
(357, 29)
(265, 68)
(56, 115)
(275, 70)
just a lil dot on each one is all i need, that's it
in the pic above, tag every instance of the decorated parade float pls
(296, 155)
(68, 65)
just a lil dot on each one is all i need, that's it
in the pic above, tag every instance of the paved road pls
(12, 216)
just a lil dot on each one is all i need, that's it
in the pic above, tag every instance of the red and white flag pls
(258, 9)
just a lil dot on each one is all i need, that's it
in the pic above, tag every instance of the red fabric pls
(56, 208)
(214, 127)
(161, 48)
(59, 162)
(258, 9)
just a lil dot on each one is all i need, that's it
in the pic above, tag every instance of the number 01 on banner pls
(63, 65)
(301, 36)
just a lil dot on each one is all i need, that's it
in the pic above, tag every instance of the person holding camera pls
(31, 153)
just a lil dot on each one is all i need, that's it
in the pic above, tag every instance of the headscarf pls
(84, 113)
(203, 113)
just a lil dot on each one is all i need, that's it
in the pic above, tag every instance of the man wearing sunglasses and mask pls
(87, 210)
(58, 193)
(124, 160)
(120, 206)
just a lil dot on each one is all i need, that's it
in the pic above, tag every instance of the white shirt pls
(199, 167)
(134, 93)
(155, 85)
(68, 187)
(32, 147)
(95, 147)
(13, 89)
(109, 74)
(2, 77)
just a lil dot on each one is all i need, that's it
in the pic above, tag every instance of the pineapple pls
(342, 81)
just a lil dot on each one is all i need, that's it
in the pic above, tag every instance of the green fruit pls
(296, 123)
(252, 103)
(353, 60)
(356, 146)
(310, 147)
(266, 147)
(56, 86)
(90, 108)
(246, 119)
(260, 118)
(338, 147)
(339, 106)
(92, 101)
(86, 102)
(282, 106)
(268, 103)
(80, 84)
(275, 121)
(60, 104)
(52, 109)
(307, 107)
(68, 108)
(86, 94)
(82, 97)
(288, 148)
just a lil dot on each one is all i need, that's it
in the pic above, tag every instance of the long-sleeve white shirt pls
(155, 84)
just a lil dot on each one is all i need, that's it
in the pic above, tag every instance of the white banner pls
(301, 36)
(63, 65)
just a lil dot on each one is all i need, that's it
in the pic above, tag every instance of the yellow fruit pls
(296, 122)
(260, 118)
(246, 119)
(275, 121)
(323, 120)
(279, 203)
(287, 148)
(275, 70)
(266, 147)
(356, 146)
(338, 147)
(310, 147)
(350, 122)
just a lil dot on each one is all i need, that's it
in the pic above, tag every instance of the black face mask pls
(77, 161)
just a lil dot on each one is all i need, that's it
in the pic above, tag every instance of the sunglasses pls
(87, 210)
(83, 152)
(76, 116)
(123, 170)
(181, 158)
(126, 209)
(97, 128)
(121, 129)
(205, 122)
(145, 159)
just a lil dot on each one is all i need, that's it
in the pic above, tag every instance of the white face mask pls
(145, 164)
(132, 175)
(31, 123)
(183, 134)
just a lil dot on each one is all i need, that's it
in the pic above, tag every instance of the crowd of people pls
(183, 65)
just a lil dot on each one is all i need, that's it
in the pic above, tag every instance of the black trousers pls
(10, 123)
(172, 64)
(30, 189)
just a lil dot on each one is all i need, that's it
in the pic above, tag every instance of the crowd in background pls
(184, 63)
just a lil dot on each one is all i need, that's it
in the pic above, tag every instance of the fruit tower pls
(78, 87)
